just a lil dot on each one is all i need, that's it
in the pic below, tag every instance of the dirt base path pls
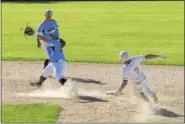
(93, 81)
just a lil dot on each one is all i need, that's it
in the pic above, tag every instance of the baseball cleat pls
(63, 81)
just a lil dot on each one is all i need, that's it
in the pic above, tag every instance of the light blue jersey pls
(46, 26)
(54, 51)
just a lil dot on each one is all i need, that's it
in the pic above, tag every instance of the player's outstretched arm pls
(40, 37)
(118, 91)
(123, 85)
(152, 56)
(30, 32)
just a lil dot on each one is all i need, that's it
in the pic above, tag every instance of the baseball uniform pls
(57, 59)
(133, 71)
(45, 27)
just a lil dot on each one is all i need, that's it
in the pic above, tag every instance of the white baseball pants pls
(142, 86)
(57, 68)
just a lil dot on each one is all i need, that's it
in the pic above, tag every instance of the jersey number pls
(50, 49)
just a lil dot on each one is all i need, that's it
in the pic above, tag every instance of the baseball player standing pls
(55, 55)
(131, 70)
(47, 25)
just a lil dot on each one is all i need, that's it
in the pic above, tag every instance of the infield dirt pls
(91, 81)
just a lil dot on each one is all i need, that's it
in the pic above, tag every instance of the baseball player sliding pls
(55, 55)
(131, 70)
(47, 25)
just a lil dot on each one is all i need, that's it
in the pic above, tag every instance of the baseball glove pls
(62, 42)
(29, 31)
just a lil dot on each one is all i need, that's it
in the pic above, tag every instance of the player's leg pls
(46, 62)
(138, 90)
(59, 68)
(144, 97)
(44, 74)
(149, 91)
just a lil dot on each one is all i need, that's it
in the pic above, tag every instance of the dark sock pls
(155, 98)
(62, 81)
(41, 80)
(46, 62)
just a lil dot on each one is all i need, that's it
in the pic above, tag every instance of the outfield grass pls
(97, 31)
(30, 113)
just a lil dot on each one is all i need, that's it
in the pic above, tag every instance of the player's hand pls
(162, 56)
(114, 92)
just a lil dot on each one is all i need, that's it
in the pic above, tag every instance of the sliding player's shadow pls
(83, 80)
(90, 99)
(166, 113)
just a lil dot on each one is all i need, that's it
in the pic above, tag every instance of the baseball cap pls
(48, 11)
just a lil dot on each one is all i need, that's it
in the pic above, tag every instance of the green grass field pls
(97, 31)
(30, 113)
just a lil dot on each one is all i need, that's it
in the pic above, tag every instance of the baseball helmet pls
(54, 34)
(124, 55)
